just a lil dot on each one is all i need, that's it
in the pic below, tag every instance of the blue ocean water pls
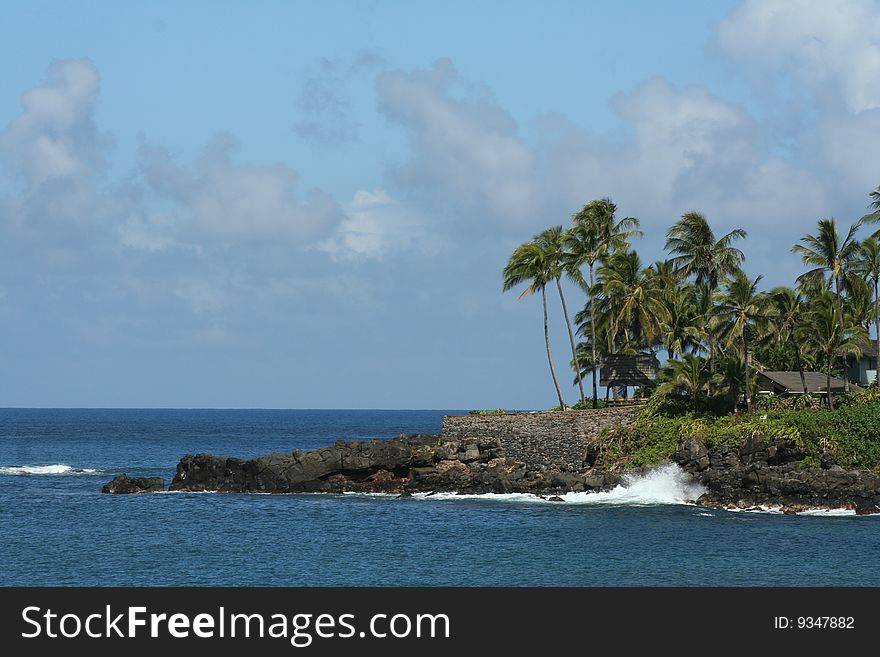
(56, 528)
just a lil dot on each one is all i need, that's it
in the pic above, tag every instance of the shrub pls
(851, 433)
(495, 411)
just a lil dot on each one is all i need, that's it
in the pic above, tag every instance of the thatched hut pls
(621, 371)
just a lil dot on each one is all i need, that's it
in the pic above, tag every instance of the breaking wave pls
(666, 484)
(55, 469)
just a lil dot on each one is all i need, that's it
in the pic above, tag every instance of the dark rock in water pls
(865, 507)
(555, 498)
(126, 484)
(402, 465)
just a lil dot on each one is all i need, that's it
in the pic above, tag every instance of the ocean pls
(58, 529)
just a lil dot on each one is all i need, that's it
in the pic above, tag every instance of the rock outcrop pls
(759, 473)
(126, 484)
(768, 473)
(405, 464)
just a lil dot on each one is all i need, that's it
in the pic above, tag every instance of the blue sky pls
(303, 204)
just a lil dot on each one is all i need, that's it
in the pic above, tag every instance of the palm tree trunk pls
(745, 353)
(877, 337)
(800, 366)
(577, 365)
(593, 340)
(840, 313)
(828, 385)
(547, 343)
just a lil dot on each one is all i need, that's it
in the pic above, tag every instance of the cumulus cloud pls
(834, 43)
(224, 202)
(53, 149)
(377, 225)
(687, 149)
(465, 151)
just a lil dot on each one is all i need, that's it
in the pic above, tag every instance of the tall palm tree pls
(560, 261)
(696, 252)
(831, 255)
(595, 233)
(741, 311)
(690, 375)
(680, 331)
(530, 262)
(873, 217)
(787, 321)
(833, 335)
(868, 265)
(704, 321)
(632, 300)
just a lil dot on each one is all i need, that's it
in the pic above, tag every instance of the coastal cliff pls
(465, 458)
(404, 465)
(765, 473)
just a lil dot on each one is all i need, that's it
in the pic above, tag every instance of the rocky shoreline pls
(760, 474)
(764, 474)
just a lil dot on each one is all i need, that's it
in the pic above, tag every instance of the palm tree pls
(827, 253)
(561, 262)
(868, 265)
(631, 300)
(787, 321)
(680, 331)
(594, 234)
(689, 375)
(833, 335)
(873, 217)
(697, 253)
(530, 262)
(741, 310)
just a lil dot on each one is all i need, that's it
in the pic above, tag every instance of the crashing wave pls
(55, 469)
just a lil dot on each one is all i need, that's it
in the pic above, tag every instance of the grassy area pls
(851, 433)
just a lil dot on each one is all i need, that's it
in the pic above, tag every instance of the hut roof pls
(628, 370)
(790, 382)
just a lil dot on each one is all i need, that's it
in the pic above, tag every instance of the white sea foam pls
(755, 509)
(828, 512)
(778, 510)
(666, 484)
(55, 469)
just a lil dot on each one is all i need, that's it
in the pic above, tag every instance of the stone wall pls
(555, 439)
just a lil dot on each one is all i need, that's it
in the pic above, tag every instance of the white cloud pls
(833, 43)
(849, 147)
(53, 150)
(224, 202)
(377, 225)
(465, 152)
(54, 136)
(688, 149)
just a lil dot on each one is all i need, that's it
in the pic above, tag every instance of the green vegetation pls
(850, 433)
(715, 323)
(493, 411)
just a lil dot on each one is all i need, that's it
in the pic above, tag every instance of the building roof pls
(869, 350)
(628, 370)
(790, 382)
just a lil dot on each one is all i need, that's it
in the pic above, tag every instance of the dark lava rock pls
(692, 455)
(126, 484)
(402, 465)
